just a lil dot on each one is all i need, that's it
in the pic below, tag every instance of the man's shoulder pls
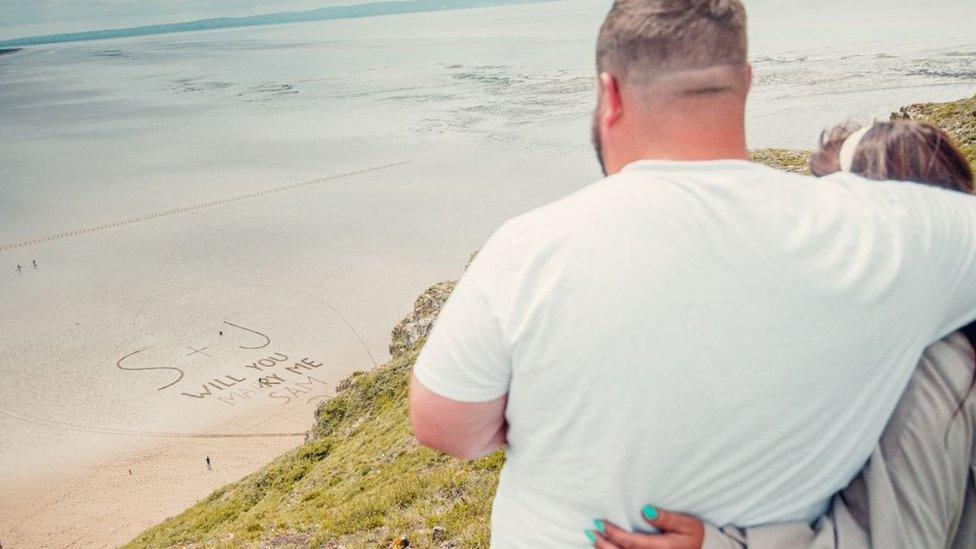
(599, 204)
(546, 230)
(559, 216)
(660, 195)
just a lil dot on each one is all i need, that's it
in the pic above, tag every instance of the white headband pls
(849, 148)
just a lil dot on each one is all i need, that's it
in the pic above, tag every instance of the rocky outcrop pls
(416, 325)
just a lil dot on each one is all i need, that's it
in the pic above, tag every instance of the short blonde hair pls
(643, 39)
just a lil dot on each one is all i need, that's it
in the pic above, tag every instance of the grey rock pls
(417, 325)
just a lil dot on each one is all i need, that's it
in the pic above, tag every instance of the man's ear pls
(611, 104)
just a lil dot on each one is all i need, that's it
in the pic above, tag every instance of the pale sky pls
(32, 17)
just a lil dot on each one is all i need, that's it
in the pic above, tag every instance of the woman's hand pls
(676, 531)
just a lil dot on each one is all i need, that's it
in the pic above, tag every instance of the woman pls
(919, 487)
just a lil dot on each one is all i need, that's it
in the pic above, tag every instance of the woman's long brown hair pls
(902, 150)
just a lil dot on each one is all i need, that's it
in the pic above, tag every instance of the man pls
(695, 330)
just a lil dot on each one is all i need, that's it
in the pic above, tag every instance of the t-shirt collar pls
(695, 165)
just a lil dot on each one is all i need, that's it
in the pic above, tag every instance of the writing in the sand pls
(275, 375)
(271, 376)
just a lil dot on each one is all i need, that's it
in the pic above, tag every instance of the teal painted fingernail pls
(649, 512)
(590, 535)
(599, 526)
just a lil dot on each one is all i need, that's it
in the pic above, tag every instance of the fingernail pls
(599, 526)
(590, 535)
(649, 512)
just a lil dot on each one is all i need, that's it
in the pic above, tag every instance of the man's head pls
(674, 76)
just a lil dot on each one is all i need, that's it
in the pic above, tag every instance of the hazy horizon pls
(28, 18)
(331, 10)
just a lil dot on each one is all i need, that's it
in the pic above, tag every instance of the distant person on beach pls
(209, 467)
(695, 331)
(919, 486)
(18, 268)
(34, 262)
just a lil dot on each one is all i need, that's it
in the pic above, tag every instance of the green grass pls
(783, 159)
(364, 482)
(361, 482)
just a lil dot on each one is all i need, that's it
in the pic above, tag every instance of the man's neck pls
(695, 152)
(677, 152)
(690, 132)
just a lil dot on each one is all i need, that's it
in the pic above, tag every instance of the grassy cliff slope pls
(363, 481)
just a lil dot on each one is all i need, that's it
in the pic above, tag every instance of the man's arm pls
(460, 383)
(946, 222)
(465, 430)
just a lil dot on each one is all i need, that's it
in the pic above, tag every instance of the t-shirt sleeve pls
(466, 357)
(947, 224)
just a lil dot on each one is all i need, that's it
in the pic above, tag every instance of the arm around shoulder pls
(946, 223)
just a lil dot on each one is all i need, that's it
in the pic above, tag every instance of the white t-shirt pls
(717, 338)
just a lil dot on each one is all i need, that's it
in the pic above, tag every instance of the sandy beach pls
(103, 505)
(227, 223)
(160, 358)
